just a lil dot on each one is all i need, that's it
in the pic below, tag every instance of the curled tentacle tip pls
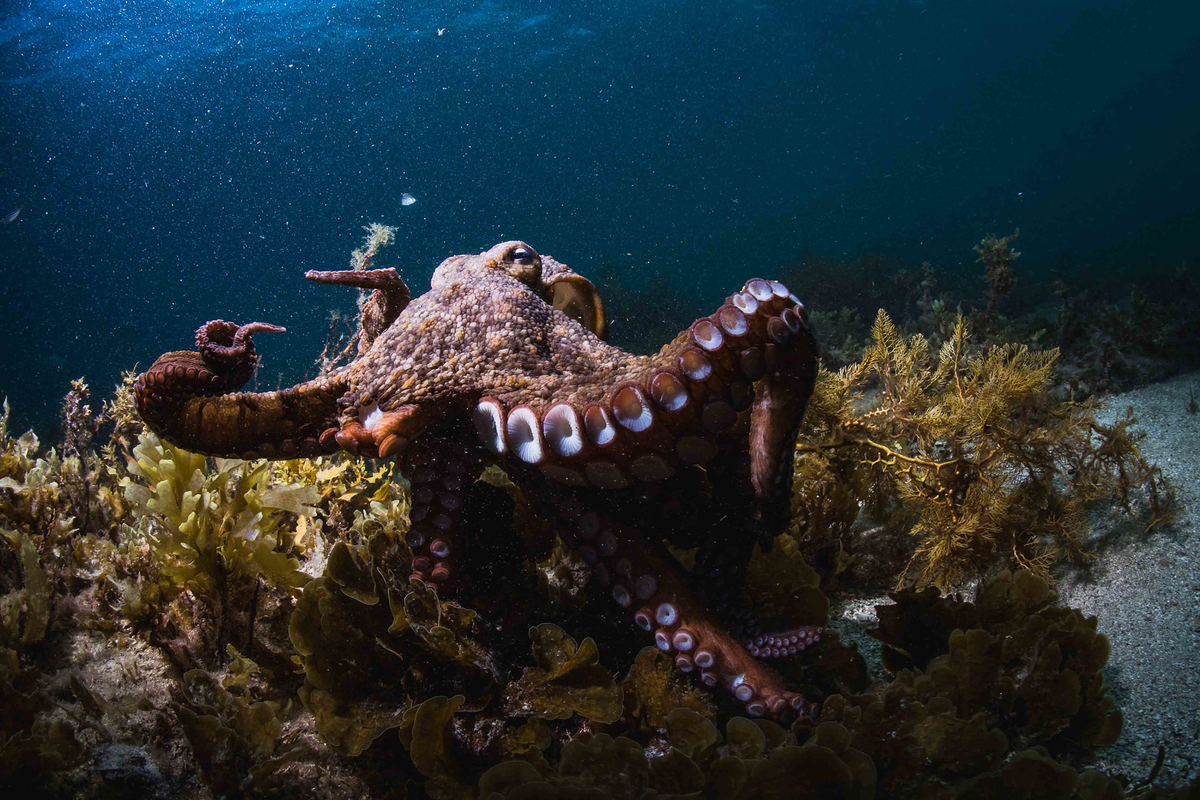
(218, 329)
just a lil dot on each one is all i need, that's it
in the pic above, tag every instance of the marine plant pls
(752, 759)
(1112, 335)
(979, 685)
(1112, 343)
(233, 737)
(964, 450)
(343, 335)
(997, 258)
(204, 525)
(30, 740)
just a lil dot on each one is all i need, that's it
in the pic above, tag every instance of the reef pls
(173, 623)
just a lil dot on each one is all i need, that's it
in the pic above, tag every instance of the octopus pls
(504, 361)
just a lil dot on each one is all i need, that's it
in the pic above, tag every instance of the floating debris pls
(11, 216)
(407, 199)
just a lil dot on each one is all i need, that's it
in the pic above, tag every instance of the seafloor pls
(1146, 593)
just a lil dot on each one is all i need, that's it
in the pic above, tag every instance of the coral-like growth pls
(964, 450)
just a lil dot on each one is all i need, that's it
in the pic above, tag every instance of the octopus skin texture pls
(504, 362)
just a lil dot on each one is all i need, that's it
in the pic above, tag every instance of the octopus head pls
(554, 282)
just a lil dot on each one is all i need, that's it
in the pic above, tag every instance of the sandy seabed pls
(1145, 590)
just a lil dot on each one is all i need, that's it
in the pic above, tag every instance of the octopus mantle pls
(504, 361)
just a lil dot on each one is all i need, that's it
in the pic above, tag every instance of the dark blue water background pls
(187, 160)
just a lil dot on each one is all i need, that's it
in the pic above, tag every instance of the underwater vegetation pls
(172, 624)
(965, 453)
(1110, 335)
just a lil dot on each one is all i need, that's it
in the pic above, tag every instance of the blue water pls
(182, 161)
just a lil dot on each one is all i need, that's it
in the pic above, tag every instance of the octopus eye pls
(522, 255)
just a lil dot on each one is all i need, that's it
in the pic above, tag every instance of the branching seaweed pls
(997, 257)
(967, 452)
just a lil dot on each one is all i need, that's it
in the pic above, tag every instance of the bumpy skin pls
(503, 361)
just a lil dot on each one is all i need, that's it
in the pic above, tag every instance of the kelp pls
(567, 680)
(654, 688)
(354, 673)
(41, 493)
(782, 584)
(753, 759)
(370, 643)
(30, 740)
(232, 737)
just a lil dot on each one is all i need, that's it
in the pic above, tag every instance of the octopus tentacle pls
(440, 474)
(642, 579)
(720, 574)
(782, 644)
(756, 353)
(187, 397)
(387, 279)
(779, 403)
(228, 347)
(390, 295)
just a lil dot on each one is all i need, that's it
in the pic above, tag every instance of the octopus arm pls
(645, 581)
(440, 471)
(617, 418)
(190, 399)
(775, 417)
